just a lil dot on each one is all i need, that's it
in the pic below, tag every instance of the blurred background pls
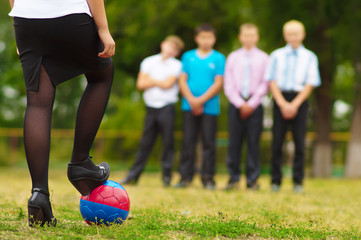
(333, 33)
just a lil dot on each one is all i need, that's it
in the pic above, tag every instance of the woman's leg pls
(91, 110)
(37, 125)
(82, 172)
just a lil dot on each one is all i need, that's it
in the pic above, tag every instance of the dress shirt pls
(292, 69)
(235, 78)
(161, 70)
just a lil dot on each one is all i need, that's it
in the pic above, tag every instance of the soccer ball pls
(107, 204)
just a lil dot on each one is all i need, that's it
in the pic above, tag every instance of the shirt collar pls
(204, 57)
(159, 55)
(290, 50)
(250, 52)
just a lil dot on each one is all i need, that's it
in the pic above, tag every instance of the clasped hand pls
(196, 105)
(289, 110)
(245, 111)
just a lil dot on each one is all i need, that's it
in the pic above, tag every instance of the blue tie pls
(292, 70)
(246, 77)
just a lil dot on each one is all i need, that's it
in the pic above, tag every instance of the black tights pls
(37, 123)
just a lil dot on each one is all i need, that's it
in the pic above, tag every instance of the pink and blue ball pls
(107, 204)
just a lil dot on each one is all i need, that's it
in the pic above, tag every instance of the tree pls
(353, 21)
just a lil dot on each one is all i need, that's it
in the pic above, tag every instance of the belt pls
(290, 92)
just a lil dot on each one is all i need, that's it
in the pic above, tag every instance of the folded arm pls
(144, 81)
(168, 83)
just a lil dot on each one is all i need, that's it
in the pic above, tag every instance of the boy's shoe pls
(182, 184)
(232, 185)
(128, 181)
(166, 181)
(254, 186)
(210, 185)
(275, 187)
(298, 188)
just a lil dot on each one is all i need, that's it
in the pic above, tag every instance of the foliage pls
(139, 30)
(12, 92)
(332, 33)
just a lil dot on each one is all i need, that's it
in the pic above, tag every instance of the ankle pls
(80, 159)
(40, 190)
(85, 163)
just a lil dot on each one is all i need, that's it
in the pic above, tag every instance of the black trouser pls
(156, 121)
(238, 130)
(206, 125)
(298, 127)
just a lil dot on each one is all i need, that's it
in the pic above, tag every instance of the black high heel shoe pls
(86, 176)
(39, 209)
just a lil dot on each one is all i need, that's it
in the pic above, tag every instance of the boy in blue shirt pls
(293, 73)
(200, 82)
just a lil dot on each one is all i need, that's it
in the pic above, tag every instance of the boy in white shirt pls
(158, 78)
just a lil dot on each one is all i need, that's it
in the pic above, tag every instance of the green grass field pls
(329, 209)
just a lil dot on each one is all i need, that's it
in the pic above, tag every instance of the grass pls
(329, 209)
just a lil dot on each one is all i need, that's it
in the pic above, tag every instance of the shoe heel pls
(36, 216)
(39, 209)
(86, 186)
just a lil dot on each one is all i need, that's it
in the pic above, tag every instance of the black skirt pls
(66, 46)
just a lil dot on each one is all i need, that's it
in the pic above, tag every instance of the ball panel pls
(112, 201)
(119, 199)
(105, 191)
(111, 183)
(115, 197)
(95, 197)
(100, 213)
(86, 210)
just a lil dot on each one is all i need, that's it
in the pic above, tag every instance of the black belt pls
(290, 92)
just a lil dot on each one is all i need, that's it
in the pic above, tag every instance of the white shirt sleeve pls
(145, 66)
(313, 76)
(178, 69)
